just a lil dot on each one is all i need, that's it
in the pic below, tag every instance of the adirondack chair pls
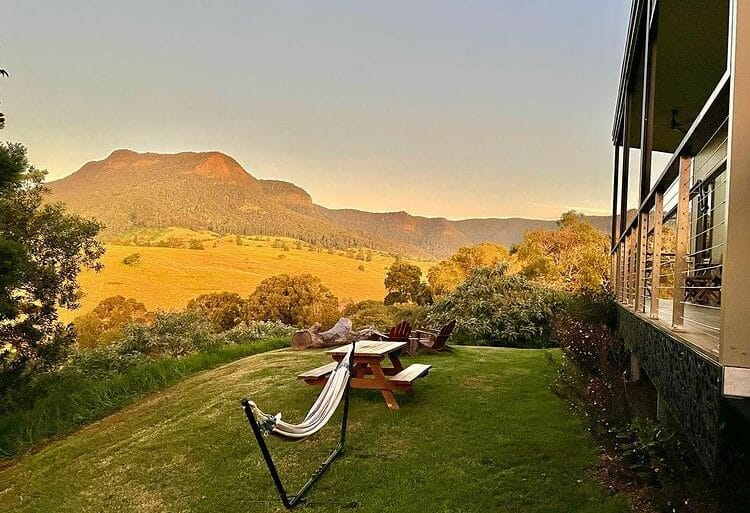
(400, 332)
(432, 340)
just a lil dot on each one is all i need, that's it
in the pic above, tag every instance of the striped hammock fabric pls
(320, 413)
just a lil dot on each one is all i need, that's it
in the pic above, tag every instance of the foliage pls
(403, 281)
(172, 334)
(573, 257)
(492, 308)
(48, 247)
(294, 300)
(257, 330)
(224, 310)
(132, 259)
(448, 274)
(375, 314)
(103, 324)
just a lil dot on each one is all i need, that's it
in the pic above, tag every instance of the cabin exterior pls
(681, 211)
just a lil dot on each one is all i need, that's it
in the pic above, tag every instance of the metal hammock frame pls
(290, 501)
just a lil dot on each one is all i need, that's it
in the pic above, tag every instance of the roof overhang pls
(691, 58)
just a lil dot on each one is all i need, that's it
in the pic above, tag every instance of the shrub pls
(294, 300)
(257, 330)
(103, 361)
(103, 324)
(492, 308)
(195, 244)
(224, 310)
(172, 333)
(374, 314)
(133, 259)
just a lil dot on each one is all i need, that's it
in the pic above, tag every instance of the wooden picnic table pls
(368, 371)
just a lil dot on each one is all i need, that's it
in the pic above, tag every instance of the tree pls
(572, 257)
(224, 310)
(404, 284)
(294, 300)
(448, 274)
(102, 325)
(44, 248)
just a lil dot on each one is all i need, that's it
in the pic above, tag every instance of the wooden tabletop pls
(369, 348)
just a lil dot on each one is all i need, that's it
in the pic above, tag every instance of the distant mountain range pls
(211, 191)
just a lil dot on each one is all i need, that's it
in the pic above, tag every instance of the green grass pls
(483, 432)
(67, 401)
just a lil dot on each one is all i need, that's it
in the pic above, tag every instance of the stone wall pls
(689, 382)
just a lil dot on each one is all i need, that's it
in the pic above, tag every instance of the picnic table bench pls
(368, 371)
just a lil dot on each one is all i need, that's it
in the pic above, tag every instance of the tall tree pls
(404, 285)
(572, 257)
(44, 250)
(295, 300)
(448, 274)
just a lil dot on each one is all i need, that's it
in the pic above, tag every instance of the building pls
(681, 211)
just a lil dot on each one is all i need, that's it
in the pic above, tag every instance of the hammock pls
(336, 388)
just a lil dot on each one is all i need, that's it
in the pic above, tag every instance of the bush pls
(195, 244)
(103, 324)
(133, 259)
(172, 334)
(494, 309)
(257, 330)
(224, 310)
(103, 361)
(374, 314)
(294, 300)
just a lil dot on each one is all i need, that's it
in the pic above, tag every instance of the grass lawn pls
(482, 432)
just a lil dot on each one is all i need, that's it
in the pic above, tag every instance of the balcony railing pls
(668, 262)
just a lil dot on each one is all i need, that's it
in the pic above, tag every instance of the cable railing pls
(677, 278)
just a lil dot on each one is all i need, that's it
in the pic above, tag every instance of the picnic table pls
(368, 371)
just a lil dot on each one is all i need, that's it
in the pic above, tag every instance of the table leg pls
(396, 361)
(380, 378)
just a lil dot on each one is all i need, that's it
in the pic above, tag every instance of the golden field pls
(167, 278)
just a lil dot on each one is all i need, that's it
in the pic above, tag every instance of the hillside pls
(211, 191)
(168, 277)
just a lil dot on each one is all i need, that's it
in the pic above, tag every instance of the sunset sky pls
(457, 109)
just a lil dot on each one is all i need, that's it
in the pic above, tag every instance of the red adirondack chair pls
(432, 340)
(400, 332)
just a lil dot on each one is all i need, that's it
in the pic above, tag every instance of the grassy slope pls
(73, 401)
(482, 433)
(168, 278)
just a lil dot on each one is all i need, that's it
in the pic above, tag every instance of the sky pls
(456, 109)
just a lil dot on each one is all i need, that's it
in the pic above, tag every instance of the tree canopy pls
(294, 300)
(404, 285)
(42, 250)
(448, 274)
(572, 257)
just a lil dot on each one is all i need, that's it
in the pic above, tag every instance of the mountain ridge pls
(211, 190)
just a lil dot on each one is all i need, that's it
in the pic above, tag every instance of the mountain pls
(211, 191)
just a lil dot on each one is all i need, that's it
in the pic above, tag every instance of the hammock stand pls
(290, 501)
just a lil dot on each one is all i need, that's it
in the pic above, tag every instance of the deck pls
(701, 327)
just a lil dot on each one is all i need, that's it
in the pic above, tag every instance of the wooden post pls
(615, 185)
(647, 108)
(682, 236)
(632, 280)
(656, 256)
(621, 273)
(625, 164)
(734, 349)
(640, 274)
